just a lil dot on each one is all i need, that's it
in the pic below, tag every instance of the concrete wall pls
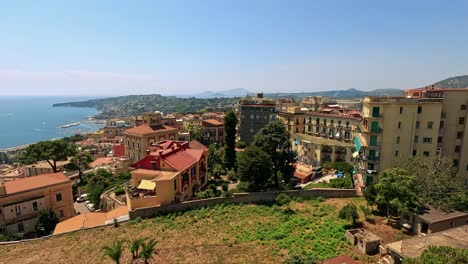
(241, 198)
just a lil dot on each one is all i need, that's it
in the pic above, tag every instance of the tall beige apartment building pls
(427, 121)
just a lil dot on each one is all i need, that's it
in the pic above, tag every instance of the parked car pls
(316, 173)
(82, 198)
(91, 207)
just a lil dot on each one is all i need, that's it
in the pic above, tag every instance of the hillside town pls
(142, 166)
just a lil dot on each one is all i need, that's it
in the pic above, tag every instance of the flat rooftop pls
(413, 247)
(433, 215)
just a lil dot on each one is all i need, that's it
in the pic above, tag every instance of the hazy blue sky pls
(169, 47)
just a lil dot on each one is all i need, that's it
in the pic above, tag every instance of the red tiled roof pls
(119, 150)
(146, 129)
(197, 145)
(300, 175)
(213, 122)
(35, 182)
(196, 153)
(180, 161)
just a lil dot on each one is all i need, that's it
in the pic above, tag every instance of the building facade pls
(138, 139)
(22, 199)
(173, 171)
(254, 114)
(213, 132)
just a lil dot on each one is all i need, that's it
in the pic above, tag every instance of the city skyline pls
(182, 47)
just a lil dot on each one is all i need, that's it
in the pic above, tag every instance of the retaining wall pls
(238, 198)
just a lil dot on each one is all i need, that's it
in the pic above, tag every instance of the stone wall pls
(238, 198)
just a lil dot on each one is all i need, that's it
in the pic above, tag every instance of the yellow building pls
(22, 199)
(427, 121)
(318, 137)
(138, 139)
(172, 172)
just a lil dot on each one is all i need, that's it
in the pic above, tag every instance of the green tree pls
(46, 222)
(230, 123)
(4, 158)
(196, 132)
(148, 249)
(50, 151)
(81, 160)
(241, 144)
(434, 182)
(114, 251)
(254, 167)
(440, 254)
(274, 140)
(394, 193)
(349, 212)
(215, 162)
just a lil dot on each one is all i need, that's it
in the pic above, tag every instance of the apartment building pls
(254, 114)
(320, 136)
(171, 172)
(427, 121)
(22, 199)
(150, 130)
(213, 131)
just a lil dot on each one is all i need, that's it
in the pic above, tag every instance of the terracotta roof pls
(35, 182)
(146, 129)
(180, 161)
(158, 175)
(196, 153)
(119, 150)
(213, 122)
(88, 220)
(300, 175)
(197, 145)
(145, 172)
(101, 162)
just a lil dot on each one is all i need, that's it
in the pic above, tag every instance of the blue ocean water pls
(25, 120)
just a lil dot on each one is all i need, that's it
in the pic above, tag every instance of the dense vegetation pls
(95, 183)
(136, 104)
(442, 254)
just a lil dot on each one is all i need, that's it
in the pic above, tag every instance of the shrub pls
(366, 211)
(136, 220)
(225, 187)
(241, 144)
(349, 212)
(283, 199)
(119, 191)
(232, 176)
(301, 259)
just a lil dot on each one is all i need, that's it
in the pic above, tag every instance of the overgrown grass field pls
(219, 234)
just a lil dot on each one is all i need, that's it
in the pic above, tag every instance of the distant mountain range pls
(453, 82)
(349, 93)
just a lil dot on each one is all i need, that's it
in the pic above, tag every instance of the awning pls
(355, 154)
(147, 185)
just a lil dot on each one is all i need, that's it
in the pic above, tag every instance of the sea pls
(26, 120)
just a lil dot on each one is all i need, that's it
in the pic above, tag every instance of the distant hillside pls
(237, 92)
(132, 105)
(350, 93)
(453, 82)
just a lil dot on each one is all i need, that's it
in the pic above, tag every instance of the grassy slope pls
(221, 234)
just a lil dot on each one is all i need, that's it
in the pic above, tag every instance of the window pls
(347, 123)
(20, 228)
(339, 122)
(373, 140)
(416, 139)
(396, 153)
(419, 109)
(175, 185)
(461, 120)
(442, 124)
(401, 110)
(58, 197)
(439, 140)
(463, 107)
(466, 167)
(457, 149)
(35, 208)
(455, 163)
(426, 153)
(417, 124)
(427, 140)
(459, 135)
(398, 139)
(18, 210)
(399, 124)
(414, 152)
(430, 124)
(61, 213)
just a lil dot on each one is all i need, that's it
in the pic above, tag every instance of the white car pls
(90, 207)
(82, 198)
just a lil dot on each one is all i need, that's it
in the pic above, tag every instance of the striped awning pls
(147, 185)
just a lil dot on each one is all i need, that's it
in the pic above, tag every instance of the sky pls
(184, 47)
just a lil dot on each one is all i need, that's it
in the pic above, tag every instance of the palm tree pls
(114, 252)
(148, 250)
(135, 247)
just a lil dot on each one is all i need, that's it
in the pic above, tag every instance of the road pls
(81, 208)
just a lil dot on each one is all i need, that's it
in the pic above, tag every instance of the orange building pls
(171, 172)
(22, 199)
